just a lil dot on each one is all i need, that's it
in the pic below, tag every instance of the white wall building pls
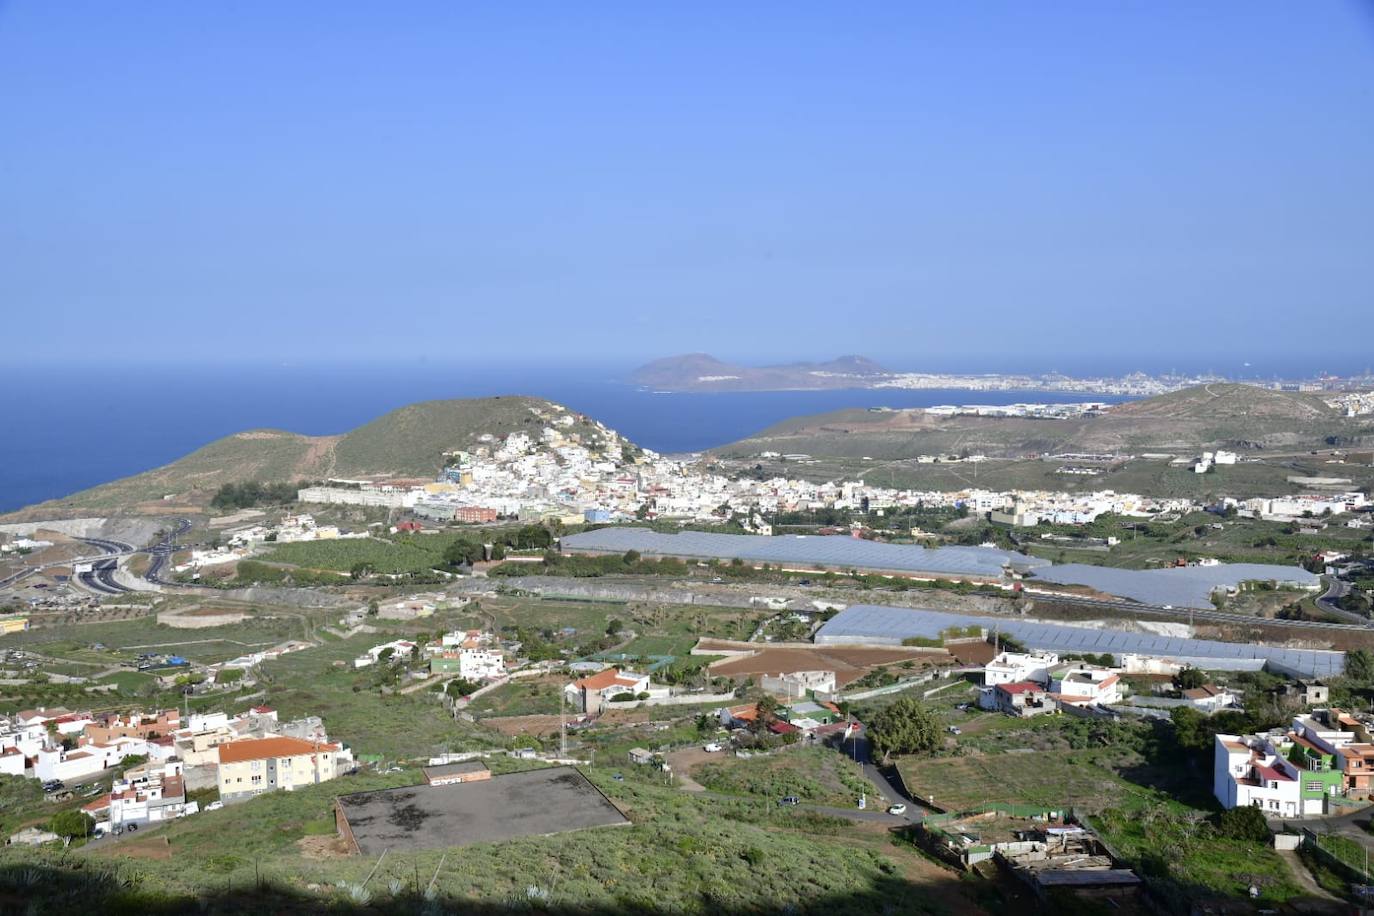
(1011, 667)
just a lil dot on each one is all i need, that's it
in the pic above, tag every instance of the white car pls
(898, 810)
(712, 748)
(214, 806)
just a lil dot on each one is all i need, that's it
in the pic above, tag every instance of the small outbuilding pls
(451, 773)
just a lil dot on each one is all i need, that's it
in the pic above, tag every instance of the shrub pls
(1243, 823)
(71, 824)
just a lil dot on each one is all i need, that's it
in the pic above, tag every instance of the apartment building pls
(257, 765)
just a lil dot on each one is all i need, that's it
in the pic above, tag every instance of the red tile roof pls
(1016, 687)
(611, 677)
(265, 748)
(1267, 772)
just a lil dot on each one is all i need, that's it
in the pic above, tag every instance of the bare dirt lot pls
(512, 726)
(848, 662)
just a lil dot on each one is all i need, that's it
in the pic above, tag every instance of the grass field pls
(125, 639)
(682, 854)
(128, 682)
(410, 554)
(967, 783)
(522, 697)
(817, 775)
(1237, 540)
(398, 726)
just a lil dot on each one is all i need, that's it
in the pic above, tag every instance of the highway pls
(161, 553)
(101, 578)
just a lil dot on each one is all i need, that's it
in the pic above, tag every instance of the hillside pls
(1232, 416)
(409, 441)
(703, 372)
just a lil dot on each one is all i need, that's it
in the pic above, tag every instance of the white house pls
(158, 795)
(591, 694)
(479, 664)
(1209, 698)
(400, 649)
(797, 684)
(1014, 667)
(86, 760)
(1251, 771)
(1023, 699)
(1086, 685)
(12, 762)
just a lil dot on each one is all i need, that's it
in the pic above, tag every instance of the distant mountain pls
(408, 442)
(1242, 417)
(703, 372)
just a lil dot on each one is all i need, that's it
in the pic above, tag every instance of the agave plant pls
(359, 894)
(395, 886)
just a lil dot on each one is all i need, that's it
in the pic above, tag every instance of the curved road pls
(101, 578)
(161, 553)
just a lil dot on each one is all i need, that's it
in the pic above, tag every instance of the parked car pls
(955, 730)
(789, 801)
(712, 748)
(898, 810)
(214, 806)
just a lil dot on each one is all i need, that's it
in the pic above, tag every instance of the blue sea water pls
(63, 432)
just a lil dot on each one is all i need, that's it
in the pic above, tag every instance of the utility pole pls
(562, 725)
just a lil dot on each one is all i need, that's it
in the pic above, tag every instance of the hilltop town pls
(555, 636)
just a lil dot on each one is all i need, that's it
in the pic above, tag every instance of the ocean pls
(65, 432)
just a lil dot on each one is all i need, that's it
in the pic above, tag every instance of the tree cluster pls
(252, 493)
(904, 727)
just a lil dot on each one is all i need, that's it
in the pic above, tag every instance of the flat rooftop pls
(454, 769)
(532, 803)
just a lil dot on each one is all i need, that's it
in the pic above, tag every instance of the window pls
(1315, 786)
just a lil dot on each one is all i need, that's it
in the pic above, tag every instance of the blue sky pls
(996, 183)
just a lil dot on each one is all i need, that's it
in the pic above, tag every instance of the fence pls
(1334, 850)
(681, 699)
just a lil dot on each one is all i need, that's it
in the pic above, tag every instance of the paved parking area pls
(533, 803)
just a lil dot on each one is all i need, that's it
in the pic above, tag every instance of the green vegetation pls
(404, 554)
(1244, 823)
(1183, 854)
(683, 855)
(408, 441)
(252, 493)
(254, 572)
(367, 715)
(904, 727)
(818, 775)
(72, 824)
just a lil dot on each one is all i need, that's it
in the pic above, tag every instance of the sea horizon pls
(86, 427)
